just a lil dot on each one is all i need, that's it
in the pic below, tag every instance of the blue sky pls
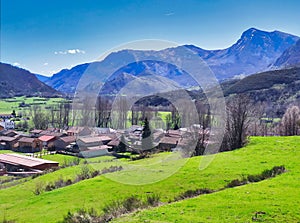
(47, 36)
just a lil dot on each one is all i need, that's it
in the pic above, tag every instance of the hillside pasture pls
(280, 193)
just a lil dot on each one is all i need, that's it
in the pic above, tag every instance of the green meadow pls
(10, 104)
(273, 200)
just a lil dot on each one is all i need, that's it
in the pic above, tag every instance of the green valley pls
(278, 198)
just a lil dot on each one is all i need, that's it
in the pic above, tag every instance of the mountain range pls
(255, 51)
(18, 82)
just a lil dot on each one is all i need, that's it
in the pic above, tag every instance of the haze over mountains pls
(254, 52)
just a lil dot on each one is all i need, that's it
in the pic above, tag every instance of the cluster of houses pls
(84, 142)
(88, 142)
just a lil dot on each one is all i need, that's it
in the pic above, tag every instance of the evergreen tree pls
(147, 141)
(122, 146)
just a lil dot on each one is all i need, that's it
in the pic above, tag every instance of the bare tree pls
(87, 112)
(66, 114)
(205, 123)
(39, 118)
(239, 111)
(260, 123)
(134, 115)
(121, 108)
(290, 121)
(103, 112)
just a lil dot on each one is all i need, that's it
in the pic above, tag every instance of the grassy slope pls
(279, 197)
(263, 153)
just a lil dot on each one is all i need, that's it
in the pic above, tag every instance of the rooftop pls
(26, 139)
(36, 131)
(94, 139)
(169, 140)
(16, 159)
(68, 139)
(75, 129)
(7, 138)
(46, 138)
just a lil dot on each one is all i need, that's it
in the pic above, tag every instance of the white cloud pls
(70, 51)
(46, 64)
(169, 14)
(16, 64)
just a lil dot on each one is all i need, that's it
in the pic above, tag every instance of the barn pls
(19, 163)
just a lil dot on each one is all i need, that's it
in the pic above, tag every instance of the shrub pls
(49, 187)
(193, 193)
(276, 170)
(254, 178)
(131, 203)
(69, 182)
(236, 183)
(152, 200)
(76, 161)
(59, 183)
(113, 209)
(81, 216)
(85, 172)
(95, 173)
(39, 187)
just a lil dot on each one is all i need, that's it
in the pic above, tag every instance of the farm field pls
(272, 200)
(9, 104)
(23, 107)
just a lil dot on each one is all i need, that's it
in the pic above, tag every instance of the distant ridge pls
(254, 52)
(290, 57)
(16, 81)
(42, 78)
(276, 89)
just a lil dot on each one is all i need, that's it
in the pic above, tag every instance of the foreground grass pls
(280, 195)
(272, 200)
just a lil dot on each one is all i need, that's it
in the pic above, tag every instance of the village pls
(83, 142)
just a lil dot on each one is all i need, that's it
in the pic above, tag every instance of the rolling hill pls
(19, 82)
(264, 81)
(277, 197)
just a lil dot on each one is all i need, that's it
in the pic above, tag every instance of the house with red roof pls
(47, 141)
